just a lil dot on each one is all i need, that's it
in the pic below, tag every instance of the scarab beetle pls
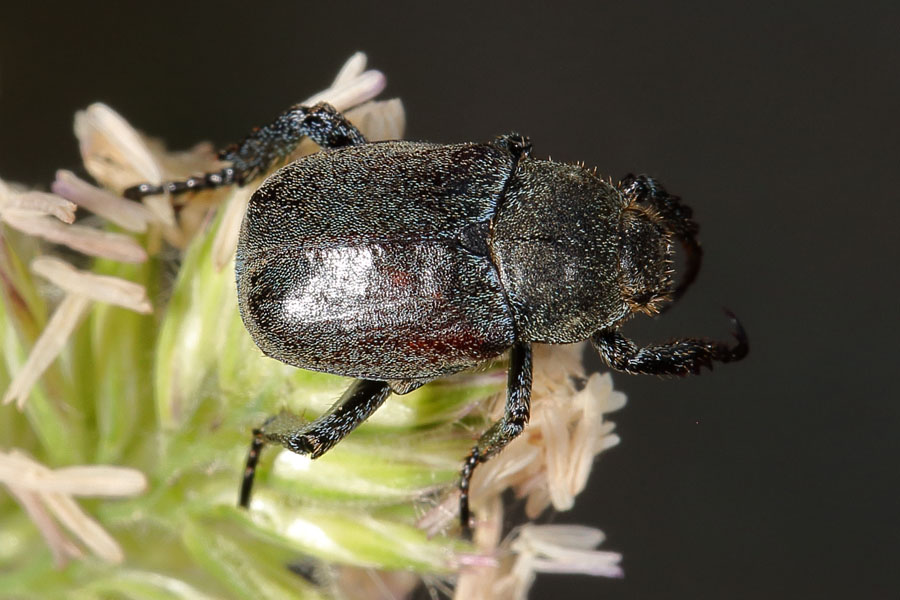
(399, 262)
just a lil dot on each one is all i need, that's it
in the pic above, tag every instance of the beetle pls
(397, 263)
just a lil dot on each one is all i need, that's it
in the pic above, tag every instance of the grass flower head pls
(131, 387)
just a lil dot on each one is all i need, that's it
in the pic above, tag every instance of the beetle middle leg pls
(315, 438)
(677, 217)
(264, 147)
(515, 417)
(679, 357)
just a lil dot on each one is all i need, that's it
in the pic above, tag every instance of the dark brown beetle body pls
(399, 262)
(408, 278)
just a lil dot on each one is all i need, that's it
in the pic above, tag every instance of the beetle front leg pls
(515, 417)
(264, 147)
(679, 357)
(314, 438)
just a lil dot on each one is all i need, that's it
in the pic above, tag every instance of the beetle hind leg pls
(265, 147)
(316, 437)
(515, 417)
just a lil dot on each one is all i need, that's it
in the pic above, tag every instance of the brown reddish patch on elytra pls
(453, 345)
(400, 278)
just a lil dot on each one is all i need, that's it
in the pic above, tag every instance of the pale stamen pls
(101, 288)
(104, 244)
(128, 215)
(46, 493)
(30, 204)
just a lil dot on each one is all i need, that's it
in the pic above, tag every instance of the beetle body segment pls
(372, 261)
(555, 243)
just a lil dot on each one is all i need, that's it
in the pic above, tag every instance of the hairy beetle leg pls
(264, 147)
(314, 438)
(515, 417)
(679, 357)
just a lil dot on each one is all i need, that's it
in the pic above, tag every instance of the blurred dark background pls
(777, 122)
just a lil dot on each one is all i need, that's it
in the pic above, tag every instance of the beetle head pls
(645, 259)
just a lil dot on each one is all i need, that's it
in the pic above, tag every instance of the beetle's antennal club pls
(677, 217)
